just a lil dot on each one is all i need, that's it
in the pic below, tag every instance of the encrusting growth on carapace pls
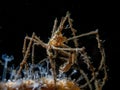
(51, 75)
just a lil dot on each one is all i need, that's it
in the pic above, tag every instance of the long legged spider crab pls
(58, 50)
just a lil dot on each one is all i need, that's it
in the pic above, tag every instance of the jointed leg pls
(54, 28)
(82, 35)
(26, 55)
(24, 46)
(52, 63)
(73, 31)
(69, 63)
(33, 50)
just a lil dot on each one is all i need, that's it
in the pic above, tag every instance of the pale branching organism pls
(7, 59)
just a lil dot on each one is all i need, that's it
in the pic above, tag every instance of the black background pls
(18, 18)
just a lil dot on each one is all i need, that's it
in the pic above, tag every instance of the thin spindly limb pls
(73, 31)
(83, 35)
(26, 55)
(33, 52)
(86, 78)
(54, 27)
(53, 66)
(24, 46)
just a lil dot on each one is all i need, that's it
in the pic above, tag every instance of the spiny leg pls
(26, 55)
(71, 57)
(73, 30)
(102, 66)
(61, 25)
(54, 27)
(50, 56)
(24, 46)
(40, 42)
(98, 83)
(89, 66)
(52, 63)
(24, 49)
(86, 78)
(69, 63)
(83, 35)
(63, 20)
(33, 52)
(74, 34)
